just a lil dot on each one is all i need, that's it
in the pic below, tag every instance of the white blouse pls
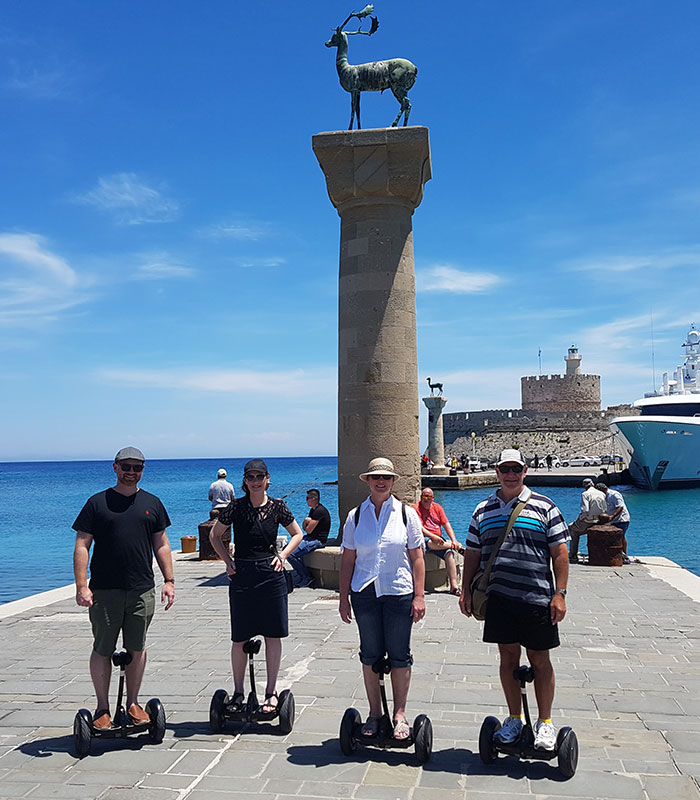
(381, 547)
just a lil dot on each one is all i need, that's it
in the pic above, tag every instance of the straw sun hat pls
(379, 466)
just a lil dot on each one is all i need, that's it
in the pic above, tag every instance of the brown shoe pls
(102, 720)
(137, 714)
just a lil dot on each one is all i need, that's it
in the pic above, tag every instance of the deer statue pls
(434, 386)
(396, 74)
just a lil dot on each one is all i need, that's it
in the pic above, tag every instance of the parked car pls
(616, 459)
(474, 464)
(580, 461)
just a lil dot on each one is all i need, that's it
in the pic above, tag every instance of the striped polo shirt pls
(522, 568)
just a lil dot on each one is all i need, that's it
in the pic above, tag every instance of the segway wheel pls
(423, 738)
(567, 752)
(487, 751)
(217, 710)
(286, 711)
(348, 743)
(82, 732)
(156, 715)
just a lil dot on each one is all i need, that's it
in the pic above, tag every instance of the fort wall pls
(560, 393)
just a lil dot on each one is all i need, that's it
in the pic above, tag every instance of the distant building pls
(571, 392)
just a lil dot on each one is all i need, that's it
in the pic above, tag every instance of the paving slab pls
(627, 673)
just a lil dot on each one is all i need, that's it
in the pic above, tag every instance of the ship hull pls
(663, 451)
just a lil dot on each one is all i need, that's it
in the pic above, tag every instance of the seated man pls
(316, 528)
(433, 519)
(593, 504)
(618, 515)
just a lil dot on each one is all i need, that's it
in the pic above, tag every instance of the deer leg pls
(357, 111)
(400, 95)
(407, 111)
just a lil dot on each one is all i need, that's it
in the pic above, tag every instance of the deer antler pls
(366, 11)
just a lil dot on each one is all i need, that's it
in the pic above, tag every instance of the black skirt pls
(257, 596)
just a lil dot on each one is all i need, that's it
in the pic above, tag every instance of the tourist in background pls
(433, 520)
(257, 586)
(593, 504)
(617, 514)
(221, 491)
(316, 528)
(127, 526)
(525, 603)
(382, 580)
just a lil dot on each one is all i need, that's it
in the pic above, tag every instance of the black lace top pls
(254, 529)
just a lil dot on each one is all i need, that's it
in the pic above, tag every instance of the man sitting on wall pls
(593, 504)
(433, 519)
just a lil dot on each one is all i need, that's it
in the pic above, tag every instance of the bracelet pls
(169, 580)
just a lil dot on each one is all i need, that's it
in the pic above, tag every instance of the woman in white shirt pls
(382, 580)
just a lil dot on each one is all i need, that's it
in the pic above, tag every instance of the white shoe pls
(545, 735)
(510, 731)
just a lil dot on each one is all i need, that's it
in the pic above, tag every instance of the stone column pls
(436, 440)
(375, 180)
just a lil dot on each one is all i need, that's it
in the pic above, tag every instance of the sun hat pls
(255, 465)
(379, 466)
(510, 454)
(130, 452)
(221, 473)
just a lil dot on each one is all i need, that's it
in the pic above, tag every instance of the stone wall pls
(560, 393)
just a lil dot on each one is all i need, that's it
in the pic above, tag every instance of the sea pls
(39, 502)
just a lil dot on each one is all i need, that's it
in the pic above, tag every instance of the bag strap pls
(483, 583)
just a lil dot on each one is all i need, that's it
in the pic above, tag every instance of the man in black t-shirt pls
(316, 528)
(127, 526)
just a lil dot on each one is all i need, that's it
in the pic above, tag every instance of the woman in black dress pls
(257, 587)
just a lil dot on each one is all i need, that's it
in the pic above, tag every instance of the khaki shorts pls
(126, 610)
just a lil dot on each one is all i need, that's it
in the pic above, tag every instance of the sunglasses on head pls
(258, 476)
(516, 468)
(380, 477)
(130, 467)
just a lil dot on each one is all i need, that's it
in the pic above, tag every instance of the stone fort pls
(570, 392)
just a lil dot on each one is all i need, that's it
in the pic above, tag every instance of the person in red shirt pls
(433, 519)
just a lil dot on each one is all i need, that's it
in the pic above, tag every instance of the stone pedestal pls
(375, 180)
(436, 440)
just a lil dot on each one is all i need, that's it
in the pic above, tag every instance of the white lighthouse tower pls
(573, 361)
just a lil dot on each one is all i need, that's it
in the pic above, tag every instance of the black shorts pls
(514, 622)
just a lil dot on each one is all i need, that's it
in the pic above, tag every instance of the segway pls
(565, 750)
(351, 736)
(122, 726)
(251, 711)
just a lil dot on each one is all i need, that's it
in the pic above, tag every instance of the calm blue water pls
(40, 501)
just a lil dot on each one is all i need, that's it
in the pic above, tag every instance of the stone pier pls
(375, 180)
(436, 440)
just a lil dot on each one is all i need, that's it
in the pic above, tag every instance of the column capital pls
(376, 165)
(435, 402)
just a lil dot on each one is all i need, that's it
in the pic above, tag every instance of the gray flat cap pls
(130, 452)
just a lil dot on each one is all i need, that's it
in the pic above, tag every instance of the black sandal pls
(237, 703)
(267, 707)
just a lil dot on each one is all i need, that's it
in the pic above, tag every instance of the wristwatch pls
(169, 580)
(560, 591)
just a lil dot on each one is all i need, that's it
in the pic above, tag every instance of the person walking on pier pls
(433, 519)
(593, 504)
(127, 526)
(525, 602)
(382, 580)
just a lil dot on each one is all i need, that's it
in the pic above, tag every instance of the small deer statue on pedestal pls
(397, 74)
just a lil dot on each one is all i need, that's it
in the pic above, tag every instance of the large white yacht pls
(663, 443)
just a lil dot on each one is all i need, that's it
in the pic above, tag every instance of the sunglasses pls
(257, 477)
(516, 468)
(380, 477)
(130, 467)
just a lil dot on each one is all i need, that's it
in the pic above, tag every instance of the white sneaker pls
(510, 731)
(545, 735)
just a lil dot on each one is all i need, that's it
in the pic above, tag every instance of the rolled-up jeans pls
(385, 625)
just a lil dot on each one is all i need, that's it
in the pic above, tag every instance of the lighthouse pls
(573, 361)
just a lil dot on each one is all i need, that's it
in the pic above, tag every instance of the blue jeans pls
(385, 625)
(301, 575)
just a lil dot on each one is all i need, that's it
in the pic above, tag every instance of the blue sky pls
(169, 255)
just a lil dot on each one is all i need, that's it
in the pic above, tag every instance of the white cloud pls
(448, 279)
(258, 383)
(38, 83)
(630, 262)
(160, 266)
(260, 262)
(130, 200)
(237, 229)
(37, 284)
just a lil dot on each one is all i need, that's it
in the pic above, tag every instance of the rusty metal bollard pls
(605, 546)
(206, 551)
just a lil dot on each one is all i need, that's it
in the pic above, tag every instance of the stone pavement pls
(627, 678)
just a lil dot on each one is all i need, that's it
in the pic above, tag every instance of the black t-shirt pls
(122, 527)
(255, 529)
(323, 527)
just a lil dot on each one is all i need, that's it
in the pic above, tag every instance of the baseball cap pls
(255, 465)
(510, 454)
(587, 482)
(221, 473)
(130, 452)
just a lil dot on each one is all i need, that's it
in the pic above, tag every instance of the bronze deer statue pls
(397, 74)
(434, 386)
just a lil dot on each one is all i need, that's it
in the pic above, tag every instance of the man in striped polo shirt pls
(525, 601)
